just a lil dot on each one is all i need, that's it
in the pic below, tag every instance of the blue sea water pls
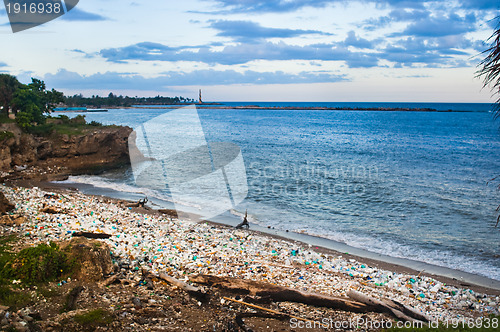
(404, 184)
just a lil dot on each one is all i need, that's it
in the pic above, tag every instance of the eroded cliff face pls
(90, 152)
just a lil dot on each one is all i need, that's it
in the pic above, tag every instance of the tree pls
(8, 86)
(32, 102)
(490, 72)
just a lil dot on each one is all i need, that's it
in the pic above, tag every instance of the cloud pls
(229, 55)
(246, 31)
(354, 51)
(262, 6)
(64, 79)
(3, 64)
(274, 6)
(358, 42)
(435, 26)
(431, 52)
(76, 14)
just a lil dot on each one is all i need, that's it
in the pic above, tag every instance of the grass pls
(6, 255)
(6, 119)
(31, 266)
(5, 135)
(64, 126)
(94, 318)
(13, 298)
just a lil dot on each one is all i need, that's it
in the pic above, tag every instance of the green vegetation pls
(63, 125)
(8, 296)
(30, 103)
(94, 318)
(6, 254)
(122, 101)
(8, 87)
(36, 264)
(13, 298)
(5, 135)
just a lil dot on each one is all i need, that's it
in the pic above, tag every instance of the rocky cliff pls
(91, 151)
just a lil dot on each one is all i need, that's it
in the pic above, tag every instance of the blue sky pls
(262, 50)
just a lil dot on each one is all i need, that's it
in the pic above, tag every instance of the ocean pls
(412, 185)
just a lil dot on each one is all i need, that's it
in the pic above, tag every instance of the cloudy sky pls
(260, 50)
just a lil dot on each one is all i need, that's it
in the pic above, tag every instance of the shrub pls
(95, 124)
(37, 264)
(79, 119)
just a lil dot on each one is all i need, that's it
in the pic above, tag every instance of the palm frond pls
(489, 69)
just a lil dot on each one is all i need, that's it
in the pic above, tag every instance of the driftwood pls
(244, 223)
(191, 290)
(267, 310)
(108, 281)
(139, 203)
(52, 210)
(90, 235)
(281, 294)
(391, 307)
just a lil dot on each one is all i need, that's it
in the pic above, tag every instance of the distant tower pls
(201, 101)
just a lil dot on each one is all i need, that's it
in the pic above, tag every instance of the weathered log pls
(266, 309)
(280, 293)
(108, 281)
(90, 235)
(139, 203)
(391, 307)
(407, 310)
(191, 290)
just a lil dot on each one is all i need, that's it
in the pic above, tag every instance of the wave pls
(443, 258)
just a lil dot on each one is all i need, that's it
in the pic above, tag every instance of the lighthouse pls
(199, 98)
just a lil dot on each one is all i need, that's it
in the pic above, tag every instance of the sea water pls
(405, 184)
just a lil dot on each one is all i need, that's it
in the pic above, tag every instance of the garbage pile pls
(181, 248)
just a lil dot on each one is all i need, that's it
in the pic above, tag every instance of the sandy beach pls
(144, 239)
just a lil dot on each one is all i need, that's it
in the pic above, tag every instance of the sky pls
(260, 50)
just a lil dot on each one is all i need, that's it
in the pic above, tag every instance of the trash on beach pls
(181, 248)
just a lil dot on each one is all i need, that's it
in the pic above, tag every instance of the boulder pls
(5, 205)
(91, 259)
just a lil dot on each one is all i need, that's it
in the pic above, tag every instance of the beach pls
(143, 239)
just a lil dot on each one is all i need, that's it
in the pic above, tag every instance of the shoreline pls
(446, 275)
(217, 106)
(142, 238)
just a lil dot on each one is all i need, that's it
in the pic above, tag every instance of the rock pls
(21, 327)
(5, 205)
(51, 210)
(137, 302)
(92, 258)
(90, 152)
(12, 220)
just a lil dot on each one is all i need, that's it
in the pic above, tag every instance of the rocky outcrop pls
(92, 151)
(91, 259)
(5, 205)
